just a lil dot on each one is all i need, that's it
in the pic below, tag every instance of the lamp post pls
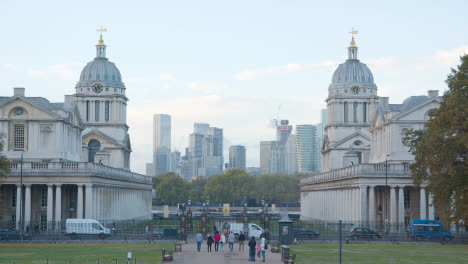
(189, 215)
(386, 191)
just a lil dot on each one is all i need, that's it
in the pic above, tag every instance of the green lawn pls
(381, 253)
(80, 253)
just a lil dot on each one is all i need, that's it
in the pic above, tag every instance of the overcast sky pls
(228, 63)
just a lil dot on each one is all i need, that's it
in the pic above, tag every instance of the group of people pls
(219, 241)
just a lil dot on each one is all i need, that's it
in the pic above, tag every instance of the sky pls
(232, 64)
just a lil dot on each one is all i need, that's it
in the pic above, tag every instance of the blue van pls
(429, 229)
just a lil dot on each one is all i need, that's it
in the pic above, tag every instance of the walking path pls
(190, 254)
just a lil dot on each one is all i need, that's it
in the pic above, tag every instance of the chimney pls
(383, 101)
(433, 93)
(18, 91)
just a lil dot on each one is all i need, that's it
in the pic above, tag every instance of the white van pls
(254, 230)
(85, 227)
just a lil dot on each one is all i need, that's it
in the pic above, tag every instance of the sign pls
(129, 255)
(273, 207)
(226, 209)
(166, 211)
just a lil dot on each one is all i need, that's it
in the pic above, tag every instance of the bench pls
(290, 259)
(167, 255)
(177, 246)
(275, 247)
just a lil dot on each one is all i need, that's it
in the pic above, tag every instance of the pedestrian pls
(231, 239)
(259, 249)
(241, 241)
(217, 238)
(209, 242)
(199, 239)
(252, 244)
(263, 245)
(147, 229)
(222, 242)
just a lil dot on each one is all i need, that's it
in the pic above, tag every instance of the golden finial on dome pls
(101, 41)
(353, 44)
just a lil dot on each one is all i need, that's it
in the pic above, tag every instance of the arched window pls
(93, 146)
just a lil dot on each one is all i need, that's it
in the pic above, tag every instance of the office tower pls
(290, 161)
(195, 145)
(201, 128)
(306, 147)
(283, 131)
(237, 157)
(268, 157)
(161, 143)
(217, 141)
(175, 159)
(149, 169)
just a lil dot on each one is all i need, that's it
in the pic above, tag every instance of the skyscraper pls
(268, 156)
(307, 142)
(237, 157)
(290, 160)
(201, 128)
(175, 159)
(161, 143)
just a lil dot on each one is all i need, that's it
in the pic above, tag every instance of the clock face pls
(97, 88)
(355, 89)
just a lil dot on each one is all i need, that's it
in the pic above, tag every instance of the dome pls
(352, 71)
(101, 70)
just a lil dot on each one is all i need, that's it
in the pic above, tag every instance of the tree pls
(173, 189)
(197, 189)
(278, 188)
(4, 169)
(441, 148)
(157, 179)
(231, 186)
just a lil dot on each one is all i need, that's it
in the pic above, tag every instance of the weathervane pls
(353, 32)
(101, 42)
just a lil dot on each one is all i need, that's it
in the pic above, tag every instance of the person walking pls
(222, 241)
(217, 238)
(263, 245)
(241, 241)
(252, 244)
(209, 242)
(231, 239)
(199, 239)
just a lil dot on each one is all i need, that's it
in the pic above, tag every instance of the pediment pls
(31, 109)
(349, 141)
(418, 112)
(105, 140)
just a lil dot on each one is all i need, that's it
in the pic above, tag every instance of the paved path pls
(190, 254)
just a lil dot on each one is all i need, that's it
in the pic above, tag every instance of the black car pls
(12, 234)
(364, 233)
(302, 232)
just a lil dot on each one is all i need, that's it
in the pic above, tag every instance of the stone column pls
(89, 201)
(27, 206)
(79, 202)
(372, 206)
(431, 215)
(423, 203)
(58, 205)
(50, 206)
(363, 204)
(401, 208)
(393, 204)
(18, 206)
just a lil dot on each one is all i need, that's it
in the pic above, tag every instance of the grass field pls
(381, 253)
(80, 253)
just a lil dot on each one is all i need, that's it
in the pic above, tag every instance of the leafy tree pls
(173, 189)
(441, 148)
(231, 186)
(278, 188)
(157, 179)
(197, 189)
(4, 169)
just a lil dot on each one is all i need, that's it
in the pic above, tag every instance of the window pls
(13, 222)
(44, 197)
(407, 199)
(87, 110)
(345, 112)
(364, 112)
(43, 224)
(13, 198)
(106, 111)
(93, 147)
(407, 220)
(18, 138)
(355, 105)
(96, 110)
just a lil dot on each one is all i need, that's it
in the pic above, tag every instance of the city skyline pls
(197, 82)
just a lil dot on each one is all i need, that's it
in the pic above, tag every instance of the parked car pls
(364, 233)
(166, 232)
(429, 229)
(12, 234)
(302, 232)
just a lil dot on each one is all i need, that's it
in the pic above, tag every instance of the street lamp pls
(386, 191)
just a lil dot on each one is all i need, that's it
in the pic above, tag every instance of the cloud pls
(134, 80)
(64, 71)
(207, 87)
(167, 77)
(9, 66)
(36, 73)
(290, 67)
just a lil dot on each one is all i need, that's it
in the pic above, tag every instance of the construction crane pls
(276, 121)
